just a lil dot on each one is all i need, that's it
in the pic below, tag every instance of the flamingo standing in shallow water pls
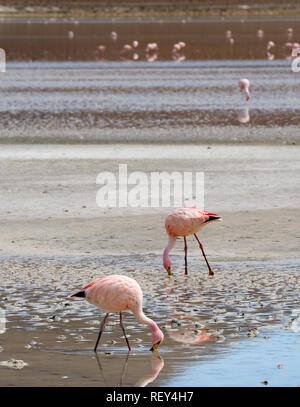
(244, 85)
(118, 293)
(183, 222)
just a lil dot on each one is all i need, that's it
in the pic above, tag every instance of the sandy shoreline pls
(259, 239)
(49, 204)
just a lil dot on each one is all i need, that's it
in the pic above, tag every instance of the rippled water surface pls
(194, 101)
(240, 327)
(80, 98)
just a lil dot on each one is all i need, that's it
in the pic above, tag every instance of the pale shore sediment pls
(49, 203)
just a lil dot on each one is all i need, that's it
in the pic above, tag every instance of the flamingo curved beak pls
(154, 349)
(169, 271)
(214, 218)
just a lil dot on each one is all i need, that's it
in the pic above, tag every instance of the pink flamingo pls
(228, 34)
(113, 35)
(101, 48)
(117, 293)
(260, 33)
(244, 85)
(287, 50)
(183, 222)
(270, 45)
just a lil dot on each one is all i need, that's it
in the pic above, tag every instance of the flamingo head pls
(157, 339)
(167, 262)
(212, 217)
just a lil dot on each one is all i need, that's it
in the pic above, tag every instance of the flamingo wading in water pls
(183, 222)
(116, 293)
(244, 85)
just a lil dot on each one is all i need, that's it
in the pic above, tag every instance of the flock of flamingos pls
(130, 51)
(117, 293)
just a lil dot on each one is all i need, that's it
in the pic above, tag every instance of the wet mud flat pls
(239, 328)
(163, 102)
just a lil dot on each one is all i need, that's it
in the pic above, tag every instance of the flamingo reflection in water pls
(157, 364)
(243, 115)
(189, 335)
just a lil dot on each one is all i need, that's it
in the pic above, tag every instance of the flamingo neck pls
(171, 244)
(247, 93)
(141, 317)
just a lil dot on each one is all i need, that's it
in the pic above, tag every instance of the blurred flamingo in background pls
(244, 85)
(229, 37)
(260, 33)
(177, 51)
(290, 33)
(228, 34)
(113, 35)
(151, 51)
(183, 222)
(100, 53)
(270, 45)
(116, 293)
(287, 50)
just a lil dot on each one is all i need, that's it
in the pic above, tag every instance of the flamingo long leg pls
(100, 332)
(210, 272)
(185, 256)
(123, 329)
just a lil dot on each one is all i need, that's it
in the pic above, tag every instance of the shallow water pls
(239, 328)
(193, 102)
(38, 39)
(51, 96)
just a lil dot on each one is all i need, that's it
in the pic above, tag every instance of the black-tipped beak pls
(78, 294)
(169, 271)
(154, 348)
(214, 217)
